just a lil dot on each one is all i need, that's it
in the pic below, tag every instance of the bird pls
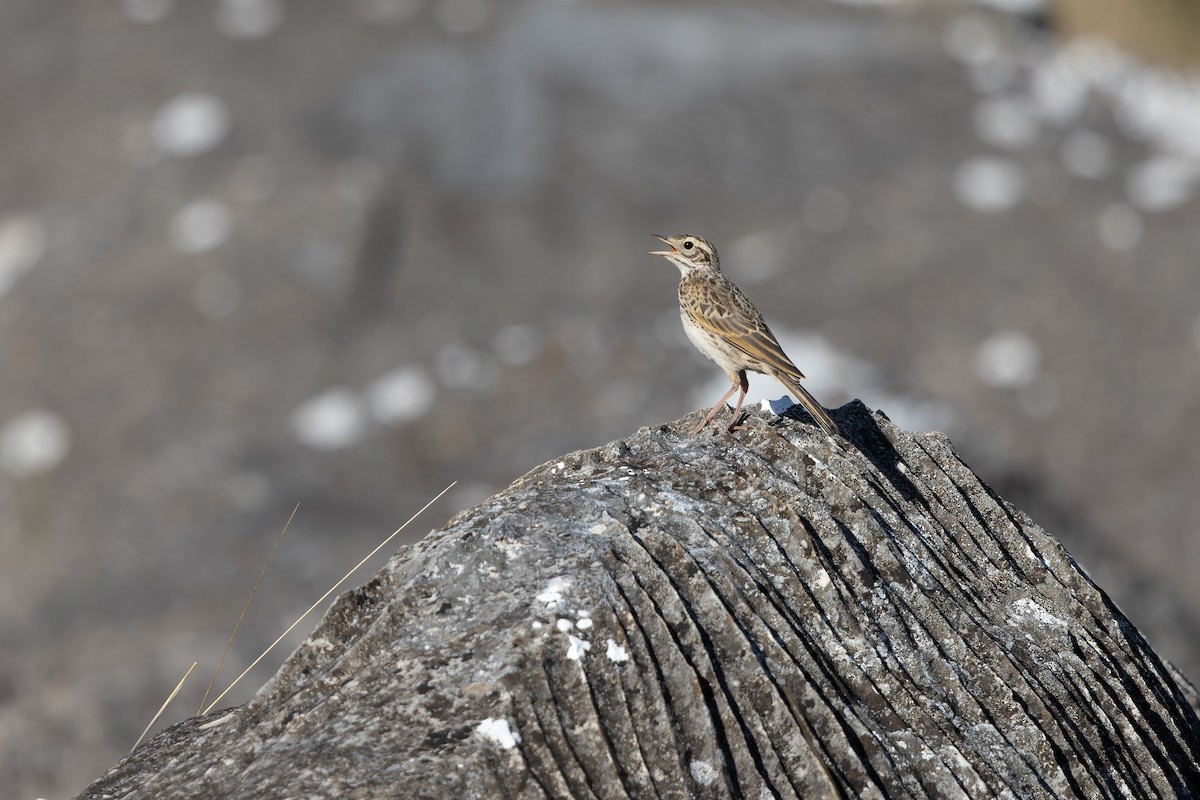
(724, 325)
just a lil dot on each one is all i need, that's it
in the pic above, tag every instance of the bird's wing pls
(722, 308)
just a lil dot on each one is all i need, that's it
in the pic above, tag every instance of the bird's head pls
(688, 252)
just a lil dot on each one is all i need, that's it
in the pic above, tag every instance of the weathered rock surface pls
(764, 615)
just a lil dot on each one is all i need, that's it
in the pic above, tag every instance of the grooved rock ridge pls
(764, 615)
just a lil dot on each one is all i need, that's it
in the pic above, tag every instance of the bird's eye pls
(689, 244)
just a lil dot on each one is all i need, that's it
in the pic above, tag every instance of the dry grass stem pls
(163, 707)
(246, 607)
(330, 591)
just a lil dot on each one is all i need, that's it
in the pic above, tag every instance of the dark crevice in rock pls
(696, 654)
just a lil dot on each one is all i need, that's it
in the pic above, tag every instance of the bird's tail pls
(819, 414)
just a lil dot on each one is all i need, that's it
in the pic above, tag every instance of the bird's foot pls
(737, 422)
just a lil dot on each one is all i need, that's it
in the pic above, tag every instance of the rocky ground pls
(256, 253)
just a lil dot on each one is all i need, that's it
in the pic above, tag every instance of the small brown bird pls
(727, 328)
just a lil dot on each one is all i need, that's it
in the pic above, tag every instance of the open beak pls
(664, 253)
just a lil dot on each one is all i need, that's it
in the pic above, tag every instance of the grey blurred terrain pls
(257, 253)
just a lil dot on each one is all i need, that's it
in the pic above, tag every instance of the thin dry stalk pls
(331, 590)
(246, 607)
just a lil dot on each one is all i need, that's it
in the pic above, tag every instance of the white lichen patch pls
(1027, 607)
(616, 653)
(577, 647)
(498, 731)
(553, 593)
(511, 548)
(33, 443)
(703, 772)
(564, 625)
(584, 623)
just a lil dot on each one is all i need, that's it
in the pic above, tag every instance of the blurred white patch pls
(400, 396)
(1156, 105)
(463, 16)
(146, 10)
(987, 183)
(564, 625)
(33, 443)
(1120, 227)
(249, 19)
(826, 210)
(702, 772)
(459, 366)
(971, 39)
(189, 124)
(754, 257)
(1016, 6)
(332, 420)
(616, 652)
(217, 295)
(1005, 122)
(1162, 183)
(22, 245)
(576, 647)
(1059, 88)
(498, 731)
(517, 344)
(200, 226)
(1007, 359)
(1086, 154)
(388, 11)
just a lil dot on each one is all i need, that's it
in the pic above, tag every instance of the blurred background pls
(256, 253)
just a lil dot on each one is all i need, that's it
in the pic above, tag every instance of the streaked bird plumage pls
(726, 327)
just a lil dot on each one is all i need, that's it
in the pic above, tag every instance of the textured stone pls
(797, 618)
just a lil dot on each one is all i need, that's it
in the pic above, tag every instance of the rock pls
(771, 614)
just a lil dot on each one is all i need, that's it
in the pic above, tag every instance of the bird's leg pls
(744, 384)
(720, 404)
